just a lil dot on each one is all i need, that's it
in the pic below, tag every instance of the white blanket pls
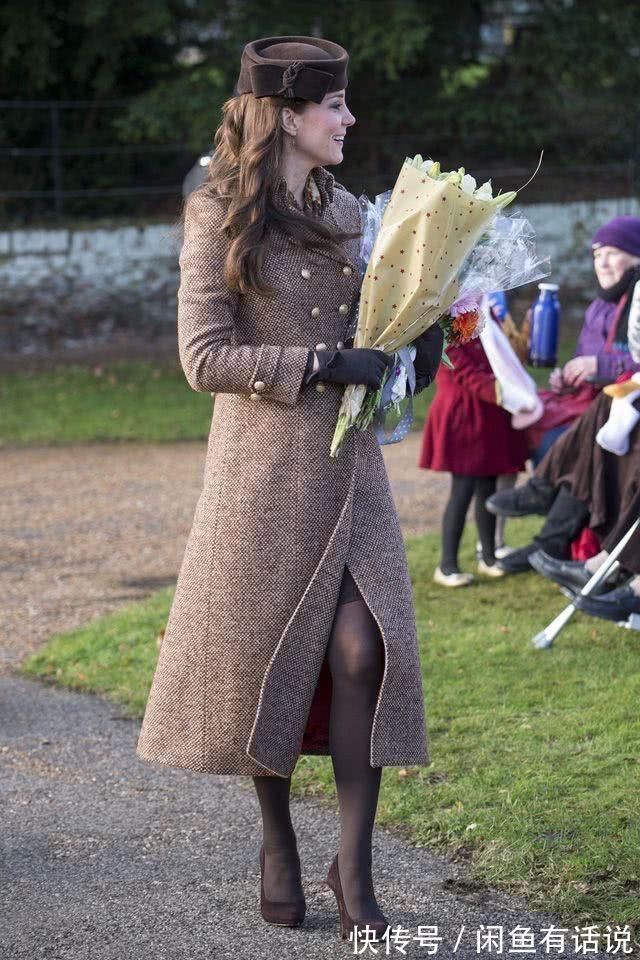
(519, 391)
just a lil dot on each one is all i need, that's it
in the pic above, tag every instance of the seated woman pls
(578, 480)
(602, 351)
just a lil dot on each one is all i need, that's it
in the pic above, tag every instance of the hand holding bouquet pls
(436, 238)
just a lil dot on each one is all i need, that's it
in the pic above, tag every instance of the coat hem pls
(199, 767)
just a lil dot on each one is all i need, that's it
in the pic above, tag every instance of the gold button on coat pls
(347, 270)
(315, 312)
(305, 273)
(259, 385)
(339, 345)
(343, 308)
(256, 396)
(320, 386)
(320, 346)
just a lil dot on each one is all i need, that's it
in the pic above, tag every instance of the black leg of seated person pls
(356, 660)
(564, 521)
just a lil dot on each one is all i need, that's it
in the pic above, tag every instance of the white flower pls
(468, 183)
(399, 388)
(485, 192)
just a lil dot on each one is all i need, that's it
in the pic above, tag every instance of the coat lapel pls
(324, 182)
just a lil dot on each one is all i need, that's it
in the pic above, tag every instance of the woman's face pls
(610, 264)
(320, 127)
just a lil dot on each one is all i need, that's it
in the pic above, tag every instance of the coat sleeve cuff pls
(279, 373)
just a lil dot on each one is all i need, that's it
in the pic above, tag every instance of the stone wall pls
(63, 288)
(70, 288)
(564, 231)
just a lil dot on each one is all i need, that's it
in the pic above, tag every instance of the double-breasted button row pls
(343, 309)
(305, 273)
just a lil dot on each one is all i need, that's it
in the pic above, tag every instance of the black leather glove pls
(428, 355)
(358, 365)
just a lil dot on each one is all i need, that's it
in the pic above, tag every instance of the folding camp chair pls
(545, 638)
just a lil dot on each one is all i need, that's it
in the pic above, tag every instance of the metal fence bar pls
(56, 167)
(63, 104)
(90, 151)
(106, 192)
(578, 180)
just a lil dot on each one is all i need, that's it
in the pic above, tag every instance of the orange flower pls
(464, 326)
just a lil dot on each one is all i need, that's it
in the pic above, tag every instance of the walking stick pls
(545, 638)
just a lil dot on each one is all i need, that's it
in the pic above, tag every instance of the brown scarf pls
(311, 198)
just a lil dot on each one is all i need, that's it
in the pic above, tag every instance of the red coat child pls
(466, 432)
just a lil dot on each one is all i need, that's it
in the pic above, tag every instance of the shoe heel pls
(289, 913)
(333, 882)
(347, 923)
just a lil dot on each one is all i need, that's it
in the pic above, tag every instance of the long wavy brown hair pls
(245, 168)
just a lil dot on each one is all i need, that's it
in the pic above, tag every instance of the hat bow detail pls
(289, 77)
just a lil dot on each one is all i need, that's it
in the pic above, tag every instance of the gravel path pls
(106, 857)
(88, 527)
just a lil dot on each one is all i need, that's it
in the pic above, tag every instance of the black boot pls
(570, 574)
(536, 496)
(617, 605)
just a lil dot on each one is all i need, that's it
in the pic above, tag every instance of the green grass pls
(123, 401)
(535, 753)
(115, 401)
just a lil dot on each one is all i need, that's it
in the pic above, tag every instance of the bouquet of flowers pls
(433, 246)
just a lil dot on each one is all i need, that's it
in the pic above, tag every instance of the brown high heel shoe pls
(347, 923)
(282, 913)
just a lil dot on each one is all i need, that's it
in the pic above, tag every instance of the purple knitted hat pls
(621, 232)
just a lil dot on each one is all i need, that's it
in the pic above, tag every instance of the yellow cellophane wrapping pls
(428, 229)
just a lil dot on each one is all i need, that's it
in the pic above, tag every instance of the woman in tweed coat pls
(292, 628)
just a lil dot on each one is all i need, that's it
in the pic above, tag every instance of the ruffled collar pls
(318, 192)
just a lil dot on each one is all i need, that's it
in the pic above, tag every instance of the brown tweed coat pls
(277, 520)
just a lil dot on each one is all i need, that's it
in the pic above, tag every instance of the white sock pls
(594, 563)
(614, 434)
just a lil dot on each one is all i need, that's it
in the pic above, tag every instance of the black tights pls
(463, 488)
(355, 654)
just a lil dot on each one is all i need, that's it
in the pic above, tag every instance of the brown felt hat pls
(303, 67)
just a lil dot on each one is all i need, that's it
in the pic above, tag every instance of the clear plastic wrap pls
(505, 258)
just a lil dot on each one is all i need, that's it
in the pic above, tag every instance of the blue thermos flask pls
(498, 305)
(545, 322)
